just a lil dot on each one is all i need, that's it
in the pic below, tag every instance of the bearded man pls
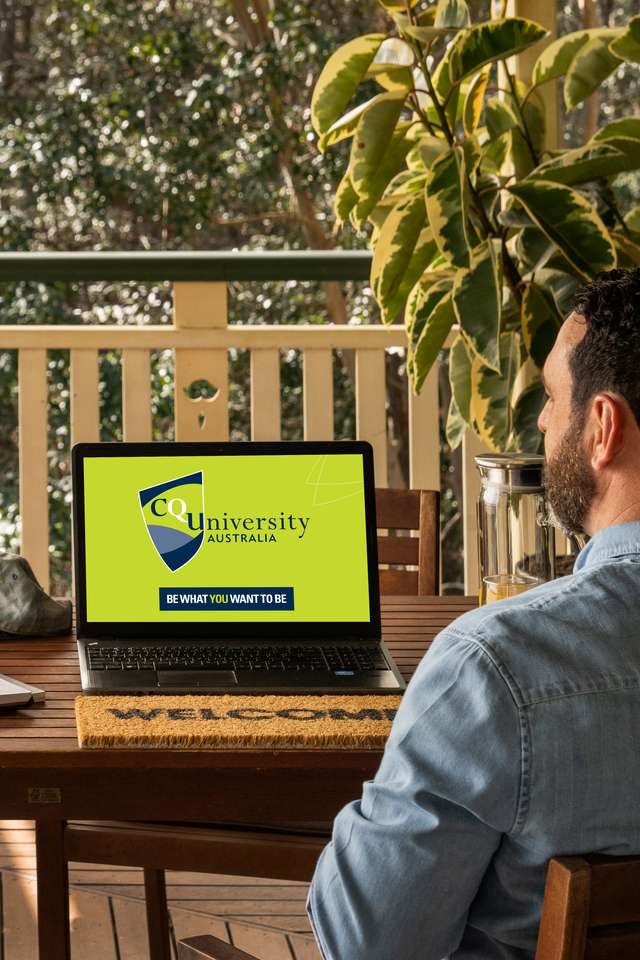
(518, 737)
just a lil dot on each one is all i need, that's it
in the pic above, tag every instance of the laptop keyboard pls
(340, 659)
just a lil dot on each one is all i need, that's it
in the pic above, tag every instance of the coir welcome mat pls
(233, 721)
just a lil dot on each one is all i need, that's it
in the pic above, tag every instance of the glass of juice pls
(504, 585)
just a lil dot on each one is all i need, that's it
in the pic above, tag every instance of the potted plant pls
(475, 223)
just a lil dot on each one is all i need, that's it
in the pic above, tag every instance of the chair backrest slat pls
(614, 943)
(399, 550)
(591, 909)
(615, 891)
(400, 583)
(398, 509)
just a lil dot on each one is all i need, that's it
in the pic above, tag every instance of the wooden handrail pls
(162, 336)
(187, 265)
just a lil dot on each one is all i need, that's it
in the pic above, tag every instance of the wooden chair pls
(193, 848)
(253, 852)
(591, 910)
(210, 948)
(408, 510)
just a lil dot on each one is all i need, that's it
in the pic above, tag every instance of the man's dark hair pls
(608, 356)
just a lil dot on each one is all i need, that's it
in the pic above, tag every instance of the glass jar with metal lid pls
(515, 538)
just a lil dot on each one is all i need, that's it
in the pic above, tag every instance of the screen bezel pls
(268, 630)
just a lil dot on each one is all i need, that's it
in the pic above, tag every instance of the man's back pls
(517, 740)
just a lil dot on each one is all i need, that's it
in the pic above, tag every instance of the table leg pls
(157, 914)
(53, 891)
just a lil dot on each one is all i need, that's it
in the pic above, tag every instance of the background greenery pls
(175, 124)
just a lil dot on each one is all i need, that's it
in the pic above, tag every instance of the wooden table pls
(46, 777)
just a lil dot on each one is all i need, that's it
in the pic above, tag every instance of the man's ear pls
(606, 421)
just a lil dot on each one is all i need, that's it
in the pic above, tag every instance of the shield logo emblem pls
(173, 513)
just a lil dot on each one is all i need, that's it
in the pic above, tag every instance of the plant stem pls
(525, 128)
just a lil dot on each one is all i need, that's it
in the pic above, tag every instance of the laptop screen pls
(265, 537)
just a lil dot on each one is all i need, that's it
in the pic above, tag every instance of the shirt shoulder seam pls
(516, 695)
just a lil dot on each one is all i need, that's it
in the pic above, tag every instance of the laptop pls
(228, 568)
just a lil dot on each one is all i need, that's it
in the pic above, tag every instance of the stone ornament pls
(25, 609)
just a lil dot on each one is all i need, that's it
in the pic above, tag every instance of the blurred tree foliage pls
(129, 124)
(184, 124)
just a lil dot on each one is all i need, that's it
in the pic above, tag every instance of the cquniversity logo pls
(173, 513)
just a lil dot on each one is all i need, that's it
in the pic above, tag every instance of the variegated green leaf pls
(584, 163)
(404, 184)
(435, 329)
(563, 287)
(452, 13)
(571, 222)
(533, 249)
(423, 299)
(556, 58)
(474, 102)
(460, 377)
(404, 248)
(632, 219)
(424, 18)
(378, 178)
(540, 322)
(427, 34)
(343, 127)
(508, 154)
(392, 65)
(513, 215)
(623, 135)
(430, 149)
(477, 299)
(627, 46)
(345, 199)
(526, 438)
(499, 116)
(591, 65)
(534, 112)
(343, 73)
(372, 138)
(445, 199)
(456, 425)
(628, 249)
(626, 127)
(488, 42)
(491, 390)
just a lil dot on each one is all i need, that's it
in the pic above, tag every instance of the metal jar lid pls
(519, 473)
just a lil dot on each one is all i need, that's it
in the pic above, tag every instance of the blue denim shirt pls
(518, 739)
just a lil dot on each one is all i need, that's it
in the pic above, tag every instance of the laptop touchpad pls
(196, 678)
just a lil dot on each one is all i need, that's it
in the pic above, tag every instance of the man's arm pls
(406, 861)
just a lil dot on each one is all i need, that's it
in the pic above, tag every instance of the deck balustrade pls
(201, 337)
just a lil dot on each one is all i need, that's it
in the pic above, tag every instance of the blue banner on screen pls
(223, 598)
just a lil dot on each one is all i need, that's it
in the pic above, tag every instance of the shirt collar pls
(619, 540)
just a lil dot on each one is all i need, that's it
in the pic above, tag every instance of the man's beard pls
(569, 482)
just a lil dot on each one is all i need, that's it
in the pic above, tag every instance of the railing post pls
(544, 13)
(371, 408)
(85, 395)
(317, 394)
(471, 447)
(265, 394)
(32, 453)
(136, 394)
(424, 435)
(198, 305)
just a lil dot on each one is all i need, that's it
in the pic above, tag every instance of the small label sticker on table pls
(44, 795)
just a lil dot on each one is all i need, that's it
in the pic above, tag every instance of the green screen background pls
(327, 568)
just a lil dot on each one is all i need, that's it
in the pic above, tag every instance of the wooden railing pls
(201, 338)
